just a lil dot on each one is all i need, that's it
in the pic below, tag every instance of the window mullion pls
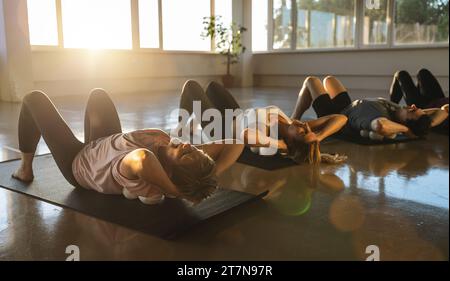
(160, 16)
(270, 25)
(390, 17)
(359, 24)
(135, 33)
(294, 19)
(213, 13)
(308, 28)
(59, 24)
(294, 24)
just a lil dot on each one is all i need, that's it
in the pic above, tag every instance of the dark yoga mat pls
(166, 220)
(269, 163)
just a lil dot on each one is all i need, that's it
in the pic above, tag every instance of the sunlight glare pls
(97, 24)
(149, 23)
(259, 25)
(183, 24)
(42, 22)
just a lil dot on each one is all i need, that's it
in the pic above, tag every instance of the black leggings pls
(426, 91)
(216, 96)
(39, 117)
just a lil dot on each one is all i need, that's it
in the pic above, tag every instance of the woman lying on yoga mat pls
(144, 164)
(428, 94)
(376, 119)
(300, 140)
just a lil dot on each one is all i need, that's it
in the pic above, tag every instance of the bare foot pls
(24, 174)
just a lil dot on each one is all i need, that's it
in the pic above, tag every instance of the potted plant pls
(227, 40)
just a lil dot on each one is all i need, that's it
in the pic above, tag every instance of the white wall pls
(361, 69)
(69, 72)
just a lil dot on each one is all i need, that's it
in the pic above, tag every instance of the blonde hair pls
(306, 153)
(197, 181)
(310, 153)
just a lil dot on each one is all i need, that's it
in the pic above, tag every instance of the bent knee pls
(424, 72)
(98, 92)
(192, 89)
(401, 74)
(330, 79)
(311, 80)
(34, 97)
(212, 85)
(191, 84)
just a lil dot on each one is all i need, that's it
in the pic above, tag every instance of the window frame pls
(135, 35)
(359, 33)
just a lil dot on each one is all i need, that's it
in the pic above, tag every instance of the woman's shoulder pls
(145, 137)
(154, 131)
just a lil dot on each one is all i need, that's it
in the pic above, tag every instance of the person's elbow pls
(340, 119)
(381, 127)
(239, 147)
(138, 162)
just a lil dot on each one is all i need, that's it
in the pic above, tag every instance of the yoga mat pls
(366, 141)
(269, 163)
(166, 220)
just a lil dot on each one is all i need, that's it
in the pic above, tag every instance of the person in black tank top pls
(375, 118)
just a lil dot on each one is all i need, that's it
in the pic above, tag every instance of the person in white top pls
(299, 140)
(145, 164)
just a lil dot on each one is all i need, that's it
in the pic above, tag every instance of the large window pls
(376, 23)
(282, 24)
(319, 24)
(421, 21)
(224, 9)
(324, 24)
(183, 24)
(276, 24)
(42, 22)
(149, 23)
(111, 24)
(97, 24)
(259, 25)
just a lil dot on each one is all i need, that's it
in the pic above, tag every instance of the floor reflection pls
(393, 196)
(290, 190)
(416, 171)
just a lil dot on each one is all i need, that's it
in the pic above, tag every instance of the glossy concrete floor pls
(393, 196)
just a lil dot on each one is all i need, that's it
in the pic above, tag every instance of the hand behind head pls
(310, 138)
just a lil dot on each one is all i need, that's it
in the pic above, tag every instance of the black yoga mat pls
(269, 163)
(166, 220)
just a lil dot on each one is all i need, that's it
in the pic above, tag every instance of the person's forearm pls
(153, 173)
(437, 115)
(228, 156)
(224, 152)
(329, 127)
(256, 138)
(387, 128)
